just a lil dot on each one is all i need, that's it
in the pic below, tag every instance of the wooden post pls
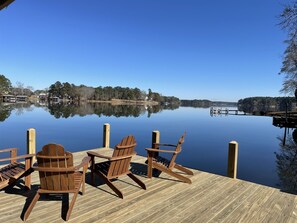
(13, 154)
(31, 142)
(232, 159)
(106, 135)
(31, 149)
(155, 138)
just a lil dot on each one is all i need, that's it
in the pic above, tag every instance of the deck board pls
(210, 198)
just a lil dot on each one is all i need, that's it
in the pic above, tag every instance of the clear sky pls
(192, 49)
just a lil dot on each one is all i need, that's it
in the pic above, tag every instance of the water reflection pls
(205, 146)
(4, 113)
(286, 161)
(20, 108)
(67, 110)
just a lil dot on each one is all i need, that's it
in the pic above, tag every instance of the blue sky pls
(192, 49)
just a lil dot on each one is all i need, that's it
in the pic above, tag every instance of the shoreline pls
(125, 102)
(112, 101)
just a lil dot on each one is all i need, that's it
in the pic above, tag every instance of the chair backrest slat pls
(124, 148)
(57, 158)
(177, 150)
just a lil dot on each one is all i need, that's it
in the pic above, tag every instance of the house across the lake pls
(8, 98)
(42, 96)
(21, 98)
(55, 99)
(12, 98)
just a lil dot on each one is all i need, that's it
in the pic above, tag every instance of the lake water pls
(262, 158)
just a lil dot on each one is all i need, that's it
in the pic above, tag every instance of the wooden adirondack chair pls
(10, 173)
(164, 165)
(58, 175)
(117, 165)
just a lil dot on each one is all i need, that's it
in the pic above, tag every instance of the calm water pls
(205, 148)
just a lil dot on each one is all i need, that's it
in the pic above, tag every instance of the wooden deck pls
(210, 198)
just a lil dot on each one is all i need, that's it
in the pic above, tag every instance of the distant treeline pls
(67, 91)
(266, 104)
(196, 103)
(206, 103)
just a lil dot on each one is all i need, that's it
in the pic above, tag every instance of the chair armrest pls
(84, 163)
(27, 156)
(164, 144)
(160, 150)
(91, 153)
(8, 150)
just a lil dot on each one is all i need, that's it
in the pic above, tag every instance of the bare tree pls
(289, 68)
(20, 87)
(85, 92)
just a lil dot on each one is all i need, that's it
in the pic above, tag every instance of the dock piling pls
(232, 159)
(31, 149)
(155, 138)
(106, 135)
(31, 142)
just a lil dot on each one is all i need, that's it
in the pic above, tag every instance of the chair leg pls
(176, 175)
(92, 167)
(139, 182)
(180, 177)
(110, 184)
(71, 205)
(32, 204)
(28, 171)
(150, 165)
(113, 187)
(187, 171)
(83, 186)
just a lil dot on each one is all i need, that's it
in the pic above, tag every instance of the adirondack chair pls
(58, 175)
(12, 172)
(117, 165)
(165, 165)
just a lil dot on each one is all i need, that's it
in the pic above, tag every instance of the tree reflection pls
(5, 112)
(61, 110)
(67, 110)
(286, 160)
(6, 109)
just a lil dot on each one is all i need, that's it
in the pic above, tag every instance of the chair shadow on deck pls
(19, 188)
(97, 182)
(141, 170)
(46, 197)
(136, 168)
